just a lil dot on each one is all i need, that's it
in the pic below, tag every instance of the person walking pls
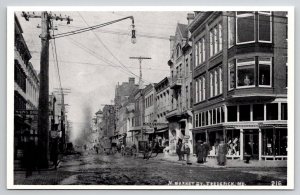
(200, 151)
(187, 152)
(28, 154)
(222, 151)
(206, 151)
(54, 152)
(178, 149)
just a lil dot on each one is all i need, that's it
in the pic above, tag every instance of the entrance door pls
(251, 143)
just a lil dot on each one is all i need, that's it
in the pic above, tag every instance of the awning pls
(162, 130)
(137, 128)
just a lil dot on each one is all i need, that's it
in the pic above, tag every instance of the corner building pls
(240, 82)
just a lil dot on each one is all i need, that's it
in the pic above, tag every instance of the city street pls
(100, 169)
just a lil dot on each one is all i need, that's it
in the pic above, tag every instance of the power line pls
(97, 64)
(111, 53)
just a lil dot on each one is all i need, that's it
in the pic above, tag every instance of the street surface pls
(101, 169)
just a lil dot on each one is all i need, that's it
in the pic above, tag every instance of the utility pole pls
(141, 85)
(43, 108)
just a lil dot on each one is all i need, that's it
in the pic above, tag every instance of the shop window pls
(245, 72)
(233, 142)
(268, 144)
(245, 27)
(272, 111)
(232, 113)
(258, 112)
(264, 27)
(244, 112)
(284, 113)
(231, 75)
(280, 142)
(265, 72)
(231, 31)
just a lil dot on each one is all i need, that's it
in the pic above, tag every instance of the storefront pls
(262, 141)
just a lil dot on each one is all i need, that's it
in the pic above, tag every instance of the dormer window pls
(178, 51)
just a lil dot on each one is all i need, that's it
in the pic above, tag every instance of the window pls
(272, 111)
(211, 42)
(218, 115)
(215, 36)
(203, 118)
(231, 75)
(265, 72)
(230, 31)
(200, 51)
(245, 72)
(196, 120)
(216, 81)
(258, 112)
(220, 80)
(220, 36)
(284, 115)
(197, 54)
(203, 88)
(244, 112)
(245, 27)
(197, 90)
(232, 113)
(211, 77)
(200, 90)
(264, 27)
(178, 51)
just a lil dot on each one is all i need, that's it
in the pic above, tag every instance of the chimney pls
(172, 42)
(190, 18)
(131, 80)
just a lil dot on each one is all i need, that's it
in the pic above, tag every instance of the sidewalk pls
(212, 162)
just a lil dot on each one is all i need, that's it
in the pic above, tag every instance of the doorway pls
(251, 143)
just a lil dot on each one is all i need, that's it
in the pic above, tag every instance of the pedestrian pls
(206, 147)
(182, 152)
(28, 154)
(54, 152)
(200, 151)
(222, 151)
(187, 152)
(178, 149)
(123, 150)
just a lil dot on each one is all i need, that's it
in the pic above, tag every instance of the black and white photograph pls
(150, 98)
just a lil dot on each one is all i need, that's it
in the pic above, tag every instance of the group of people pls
(202, 151)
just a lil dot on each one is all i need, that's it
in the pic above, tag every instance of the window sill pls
(245, 87)
(215, 55)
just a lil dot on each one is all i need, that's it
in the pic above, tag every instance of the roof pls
(183, 28)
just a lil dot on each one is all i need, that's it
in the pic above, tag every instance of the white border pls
(10, 90)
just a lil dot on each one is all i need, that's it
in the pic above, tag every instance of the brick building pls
(240, 82)
(180, 115)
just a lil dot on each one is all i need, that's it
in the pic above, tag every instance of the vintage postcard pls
(150, 98)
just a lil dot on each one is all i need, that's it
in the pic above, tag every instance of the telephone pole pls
(141, 85)
(43, 108)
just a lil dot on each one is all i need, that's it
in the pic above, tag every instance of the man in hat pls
(222, 151)
(200, 151)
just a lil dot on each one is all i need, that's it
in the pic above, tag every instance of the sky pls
(89, 63)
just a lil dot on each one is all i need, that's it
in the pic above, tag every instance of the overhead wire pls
(111, 53)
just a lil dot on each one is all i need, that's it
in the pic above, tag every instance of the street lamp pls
(133, 37)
